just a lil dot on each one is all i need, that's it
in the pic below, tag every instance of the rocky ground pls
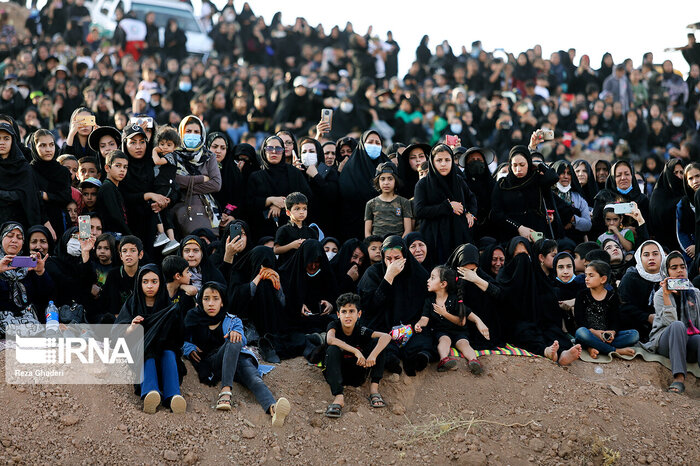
(521, 410)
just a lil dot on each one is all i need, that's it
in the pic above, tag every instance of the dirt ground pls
(521, 410)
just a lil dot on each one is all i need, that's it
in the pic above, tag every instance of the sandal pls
(224, 404)
(376, 400)
(676, 387)
(334, 410)
(475, 367)
(447, 364)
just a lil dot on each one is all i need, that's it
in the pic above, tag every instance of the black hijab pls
(487, 257)
(16, 175)
(513, 182)
(263, 309)
(404, 303)
(162, 324)
(295, 279)
(140, 175)
(669, 189)
(591, 188)
(411, 238)
(252, 164)
(407, 175)
(206, 268)
(197, 316)
(357, 175)
(565, 291)
(44, 231)
(611, 184)
(595, 167)
(50, 175)
(281, 178)
(341, 262)
(475, 299)
(529, 294)
(346, 141)
(232, 187)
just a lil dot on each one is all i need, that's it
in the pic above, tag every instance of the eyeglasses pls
(288, 143)
(274, 149)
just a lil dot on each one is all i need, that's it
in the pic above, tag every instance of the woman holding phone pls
(82, 122)
(23, 289)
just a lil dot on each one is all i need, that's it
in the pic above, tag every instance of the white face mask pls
(565, 111)
(677, 121)
(330, 254)
(564, 189)
(309, 158)
(346, 107)
(545, 110)
(73, 247)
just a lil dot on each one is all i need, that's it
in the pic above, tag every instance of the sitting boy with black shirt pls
(176, 272)
(119, 284)
(289, 237)
(345, 362)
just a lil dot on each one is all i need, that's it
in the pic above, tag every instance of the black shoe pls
(421, 361)
(267, 351)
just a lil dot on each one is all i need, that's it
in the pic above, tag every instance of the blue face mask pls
(625, 191)
(314, 274)
(185, 87)
(562, 281)
(373, 150)
(191, 140)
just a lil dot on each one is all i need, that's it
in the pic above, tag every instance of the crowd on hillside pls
(290, 194)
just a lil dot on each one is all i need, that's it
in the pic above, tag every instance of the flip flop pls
(676, 387)
(334, 410)
(376, 401)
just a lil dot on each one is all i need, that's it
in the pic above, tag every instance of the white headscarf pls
(651, 277)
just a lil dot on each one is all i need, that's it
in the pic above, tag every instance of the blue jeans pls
(236, 133)
(248, 376)
(623, 339)
(163, 371)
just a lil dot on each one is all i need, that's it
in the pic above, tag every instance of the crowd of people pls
(476, 202)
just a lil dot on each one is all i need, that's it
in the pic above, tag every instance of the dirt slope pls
(563, 415)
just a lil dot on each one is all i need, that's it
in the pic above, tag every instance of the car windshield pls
(185, 19)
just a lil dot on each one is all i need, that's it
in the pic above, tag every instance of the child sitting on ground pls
(596, 311)
(215, 343)
(448, 317)
(387, 214)
(353, 352)
(289, 237)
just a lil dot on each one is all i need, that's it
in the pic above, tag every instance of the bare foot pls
(550, 352)
(626, 351)
(570, 355)
(592, 352)
(340, 400)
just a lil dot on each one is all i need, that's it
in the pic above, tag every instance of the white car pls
(198, 41)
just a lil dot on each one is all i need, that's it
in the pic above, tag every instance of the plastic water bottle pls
(51, 320)
(598, 370)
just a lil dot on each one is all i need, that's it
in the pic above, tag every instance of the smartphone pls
(547, 134)
(678, 284)
(143, 122)
(620, 207)
(451, 140)
(88, 120)
(234, 230)
(537, 235)
(327, 116)
(84, 227)
(23, 261)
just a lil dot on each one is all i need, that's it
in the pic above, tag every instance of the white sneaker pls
(282, 409)
(151, 402)
(160, 240)
(178, 405)
(171, 247)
